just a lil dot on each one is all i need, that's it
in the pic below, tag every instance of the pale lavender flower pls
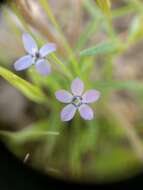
(35, 56)
(77, 100)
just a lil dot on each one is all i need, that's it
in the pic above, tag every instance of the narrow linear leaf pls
(33, 132)
(104, 48)
(119, 85)
(29, 90)
(135, 30)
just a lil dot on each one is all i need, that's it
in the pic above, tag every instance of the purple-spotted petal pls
(47, 49)
(29, 44)
(77, 87)
(68, 112)
(64, 96)
(23, 63)
(90, 96)
(86, 112)
(43, 67)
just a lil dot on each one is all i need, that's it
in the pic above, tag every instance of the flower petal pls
(86, 112)
(29, 44)
(63, 96)
(68, 112)
(47, 49)
(23, 63)
(43, 67)
(90, 96)
(77, 87)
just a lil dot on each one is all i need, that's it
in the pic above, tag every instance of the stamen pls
(77, 101)
(37, 55)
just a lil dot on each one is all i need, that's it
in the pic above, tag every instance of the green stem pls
(48, 10)
(64, 68)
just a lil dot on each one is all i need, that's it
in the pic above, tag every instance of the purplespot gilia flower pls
(35, 56)
(77, 100)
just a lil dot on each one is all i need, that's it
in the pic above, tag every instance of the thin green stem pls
(64, 68)
(72, 57)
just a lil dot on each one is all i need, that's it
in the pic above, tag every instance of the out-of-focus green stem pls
(131, 134)
(107, 23)
(64, 68)
(89, 30)
(10, 23)
(123, 11)
(15, 10)
(48, 10)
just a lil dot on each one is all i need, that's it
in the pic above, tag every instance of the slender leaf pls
(33, 132)
(104, 48)
(29, 90)
(135, 30)
(119, 85)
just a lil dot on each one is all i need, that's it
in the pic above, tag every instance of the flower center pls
(77, 101)
(37, 55)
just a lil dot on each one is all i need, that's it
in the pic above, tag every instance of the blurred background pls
(109, 148)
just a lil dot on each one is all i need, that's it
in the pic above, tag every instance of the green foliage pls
(29, 90)
(109, 146)
(119, 85)
(105, 5)
(31, 133)
(101, 49)
(136, 29)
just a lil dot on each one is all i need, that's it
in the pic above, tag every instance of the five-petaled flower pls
(35, 56)
(77, 101)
